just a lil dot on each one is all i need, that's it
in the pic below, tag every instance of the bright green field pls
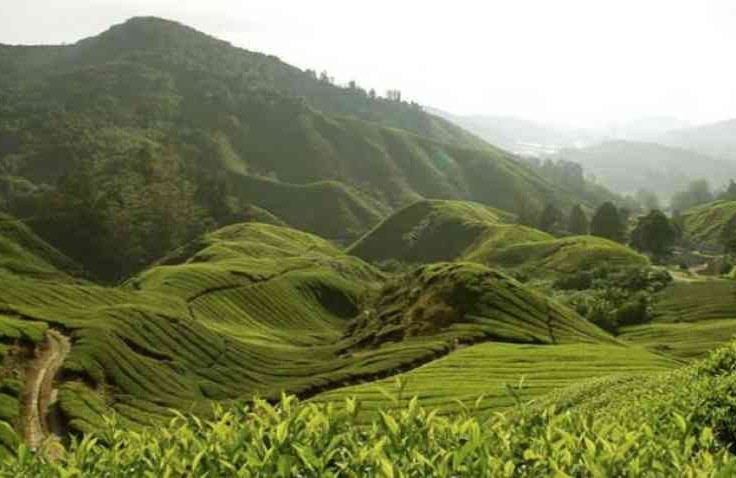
(691, 318)
(430, 231)
(489, 369)
(703, 224)
(256, 309)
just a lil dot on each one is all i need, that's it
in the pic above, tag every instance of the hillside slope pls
(627, 166)
(152, 133)
(23, 253)
(430, 231)
(256, 309)
(704, 224)
(715, 139)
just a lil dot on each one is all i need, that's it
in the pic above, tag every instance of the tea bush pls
(677, 423)
(302, 439)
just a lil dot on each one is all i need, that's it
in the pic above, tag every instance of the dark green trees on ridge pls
(551, 216)
(607, 223)
(577, 221)
(654, 233)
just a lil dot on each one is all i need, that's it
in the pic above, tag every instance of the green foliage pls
(697, 193)
(428, 231)
(468, 303)
(568, 255)
(728, 236)
(23, 252)
(295, 439)
(607, 223)
(577, 221)
(457, 380)
(704, 225)
(654, 233)
(550, 218)
(133, 142)
(612, 297)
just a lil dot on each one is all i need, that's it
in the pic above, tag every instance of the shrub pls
(302, 439)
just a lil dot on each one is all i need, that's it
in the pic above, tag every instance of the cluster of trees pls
(699, 192)
(117, 216)
(352, 86)
(653, 232)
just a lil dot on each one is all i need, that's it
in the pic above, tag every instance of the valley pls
(213, 263)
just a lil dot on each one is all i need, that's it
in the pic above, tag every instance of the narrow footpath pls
(38, 392)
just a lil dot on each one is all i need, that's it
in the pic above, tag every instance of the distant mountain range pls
(626, 166)
(715, 139)
(517, 135)
(661, 154)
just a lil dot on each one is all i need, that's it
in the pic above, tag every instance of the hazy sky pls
(568, 61)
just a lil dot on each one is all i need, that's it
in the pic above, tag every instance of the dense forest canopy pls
(151, 133)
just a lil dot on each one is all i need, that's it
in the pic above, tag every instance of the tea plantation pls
(257, 310)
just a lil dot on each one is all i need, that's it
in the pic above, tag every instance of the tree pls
(372, 94)
(577, 222)
(527, 215)
(728, 236)
(624, 214)
(550, 216)
(607, 223)
(654, 233)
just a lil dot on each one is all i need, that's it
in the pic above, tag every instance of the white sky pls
(581, 62)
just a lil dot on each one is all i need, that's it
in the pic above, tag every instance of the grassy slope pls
(490, 369)
(531, 339)
(703, 224)
(447, 230)
(429, 231)
(691, 319)
(259, 309)
(22, 252)
(155, 84)
(567, 255)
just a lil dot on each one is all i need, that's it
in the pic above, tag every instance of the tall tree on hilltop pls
(549, 218)
(728, 236)
(526, 215)
(654, 233)
(577, 222)
(607, 223)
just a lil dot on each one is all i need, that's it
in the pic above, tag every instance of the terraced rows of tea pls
(691, 319)
(257, 310)
(503, 374)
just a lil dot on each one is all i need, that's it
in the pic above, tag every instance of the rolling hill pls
(704, 224)
(152, 122)
(691, 319)
(23, 252)
(627, 166)
(715, 139)
(252, 309)
(430, 231)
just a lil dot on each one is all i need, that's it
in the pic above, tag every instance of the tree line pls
(652, 233)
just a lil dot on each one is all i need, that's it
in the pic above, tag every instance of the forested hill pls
(138, 140)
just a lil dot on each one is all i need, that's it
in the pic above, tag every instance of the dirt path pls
(38, 392)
